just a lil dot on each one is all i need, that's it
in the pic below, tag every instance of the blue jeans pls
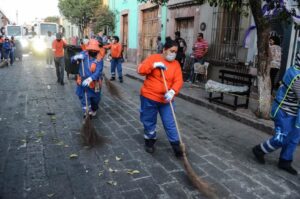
(116, 63)
(286, 136)
(148, 116)
(93, 99)
(201, 61)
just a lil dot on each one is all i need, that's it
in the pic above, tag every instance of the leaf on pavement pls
(118, 158)
(53, 118)
(66, 146)
(112, 170)
(106, 161)
(73, 156)
(132, 172)
(113, 183)
(60, 143)
(40, 134)
(100, 173)
(24, 141)
(50, 195)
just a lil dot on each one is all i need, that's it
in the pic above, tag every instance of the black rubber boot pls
(121, 80)
(112, 79)
(259, 154)
(177, 150)
(149, 145)
(287, 166)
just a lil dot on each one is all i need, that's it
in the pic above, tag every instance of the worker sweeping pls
(286, 115)
(154, 97)
(89, 78)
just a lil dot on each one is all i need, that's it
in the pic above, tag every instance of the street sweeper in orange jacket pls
(89, 80)
(154, 97)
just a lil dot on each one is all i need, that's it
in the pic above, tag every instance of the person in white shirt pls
(49, 40)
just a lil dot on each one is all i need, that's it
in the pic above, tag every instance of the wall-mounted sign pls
(202, 26)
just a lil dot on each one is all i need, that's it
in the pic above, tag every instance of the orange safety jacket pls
(115, 50)
(153, 87)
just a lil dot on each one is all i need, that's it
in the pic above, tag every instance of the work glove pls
(159, 65)
(79, 57)
(87, 81)
(169, 95)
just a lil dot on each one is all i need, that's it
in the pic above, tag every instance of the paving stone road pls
(35, 148)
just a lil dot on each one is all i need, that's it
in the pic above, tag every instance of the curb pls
(259, 125)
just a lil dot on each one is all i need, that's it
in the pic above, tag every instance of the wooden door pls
(150, 31)
(125, 35)
(186, 28)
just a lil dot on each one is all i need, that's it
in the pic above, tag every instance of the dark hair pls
(276, 40)
(159, 38)
(177, 33)
(170, 43)
(168, 38)
(116, 38)
(200, 34)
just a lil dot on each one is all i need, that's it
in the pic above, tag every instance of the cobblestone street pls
(41, 155)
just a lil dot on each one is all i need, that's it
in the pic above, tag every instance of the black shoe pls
(62, 83)
(259, 154)
(149, 145)
(177, 150)
(112, 79)
(121, 80)
(286, 165)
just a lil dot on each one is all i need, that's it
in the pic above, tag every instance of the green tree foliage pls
(79, 12)
(103, 18)
(52, 19)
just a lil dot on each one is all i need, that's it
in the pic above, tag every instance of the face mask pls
(171, 56)
(93, 54)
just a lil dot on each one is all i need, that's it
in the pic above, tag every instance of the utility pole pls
(17, 17)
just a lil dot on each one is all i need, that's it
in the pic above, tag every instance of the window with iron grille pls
(225, 35)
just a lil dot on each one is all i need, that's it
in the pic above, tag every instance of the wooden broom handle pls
(171, 105)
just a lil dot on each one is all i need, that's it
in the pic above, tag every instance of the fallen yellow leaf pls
(132, 172)
(106, 161)
(100, 173)
(73, 155)
(118, 158)
(50, 195)
(111, 182)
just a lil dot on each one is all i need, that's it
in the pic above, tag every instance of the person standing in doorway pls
(116, 58)
(154, 97)
(59, 60)
(275, 59)
(180, 57)
(159, 45)
(49, 52)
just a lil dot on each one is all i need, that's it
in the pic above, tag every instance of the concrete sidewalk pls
(195, 93)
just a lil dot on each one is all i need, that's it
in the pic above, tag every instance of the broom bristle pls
(89, 133)
(3, 63)
(199, 183)
(112, 89)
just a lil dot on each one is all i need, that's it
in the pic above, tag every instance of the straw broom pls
(200, 184)
(112, 89)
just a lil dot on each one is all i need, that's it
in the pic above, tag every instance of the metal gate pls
(125, 35)
(225, 35)
(150, 31)
(186, 28)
